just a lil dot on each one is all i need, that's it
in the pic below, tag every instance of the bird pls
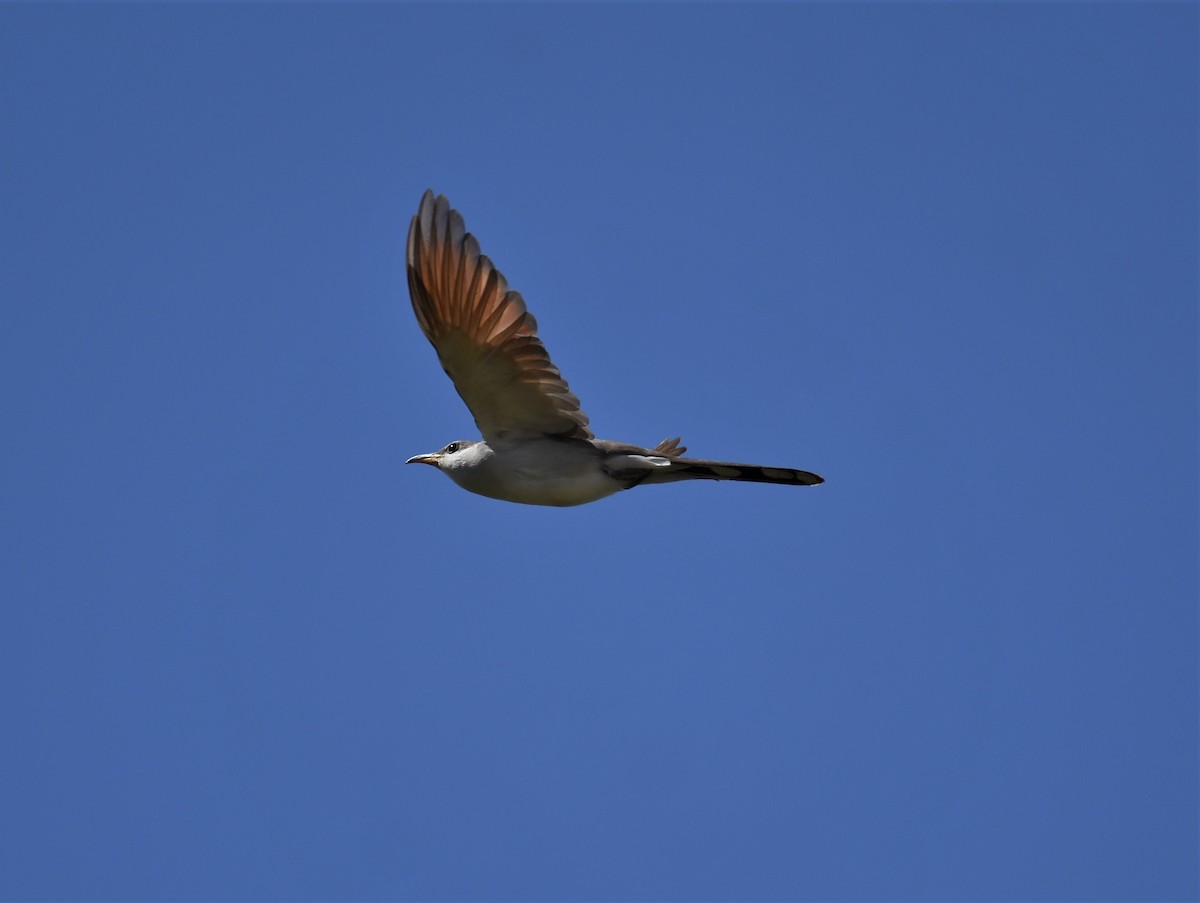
(537, 448)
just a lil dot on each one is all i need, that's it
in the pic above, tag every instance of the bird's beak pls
(423, 459)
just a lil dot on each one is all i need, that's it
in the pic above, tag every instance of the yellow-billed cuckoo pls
(536, 448)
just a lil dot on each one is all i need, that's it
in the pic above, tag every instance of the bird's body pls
(536, 448)
(539, 471)
(566, 472)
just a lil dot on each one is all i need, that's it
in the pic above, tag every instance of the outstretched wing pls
(486, 340)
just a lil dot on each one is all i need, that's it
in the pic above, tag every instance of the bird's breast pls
(540, 472)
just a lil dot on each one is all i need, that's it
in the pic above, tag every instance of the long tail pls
(695, 469)
(664, 463)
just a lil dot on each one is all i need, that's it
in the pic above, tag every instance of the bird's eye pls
(452, 448)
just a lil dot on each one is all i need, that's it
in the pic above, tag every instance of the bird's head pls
(457, 454)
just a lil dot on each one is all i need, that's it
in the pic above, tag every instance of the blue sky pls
(943, 254)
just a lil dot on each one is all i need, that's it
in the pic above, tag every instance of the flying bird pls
(536, 447)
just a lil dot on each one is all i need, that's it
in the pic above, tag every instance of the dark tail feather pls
(692, 469)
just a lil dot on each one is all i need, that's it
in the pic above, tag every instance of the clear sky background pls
(944, 255)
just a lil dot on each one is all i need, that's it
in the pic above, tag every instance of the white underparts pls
(636, 462)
